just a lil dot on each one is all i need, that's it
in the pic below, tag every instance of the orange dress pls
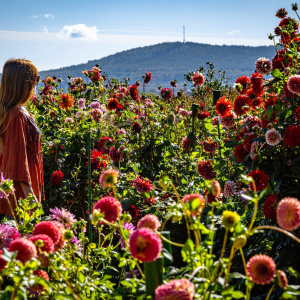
(21, 158)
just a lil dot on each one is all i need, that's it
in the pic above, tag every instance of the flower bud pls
(43, 257)
(68, 235)
(96, 216)
(240, 242)
(126, 218)
(39, 243)
(282, 279)
(215, 188)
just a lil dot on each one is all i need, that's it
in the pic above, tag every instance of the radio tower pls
(184, 34)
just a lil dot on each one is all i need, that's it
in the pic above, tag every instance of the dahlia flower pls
(223, 107)
(189, 199)
(261, 180)
(129, 227)
(116, 154)
(256, 83)
(206, 170)
(293, 84)
(110, 207)
(176, 289)
(114, 104)
(97, 115)
(228, 122)
(63, 215)
(65, 101)
(81, 103)
(240, 152)
(214, 121)
(229, 189)
(3, 262)
(202, 115)
(145, 245)
(142, 185)
(244, 81)
(241, 104)
(282, 279)
(122, 131)
(149, 221)
(49, 81)
(148, 77)
(229, 219)
(108, 178)
(81, 115)
(136, 127)
(49, 228)
(95, 104)
(261, 269)
(105, 143)
(7, 235)
(187, 143)
(288, 213)
(133, 92)
(292, 136)
(296, 113)
(198, 79)
(48, 245)
(42, 274)
(281, 13)
(254, 150)
(263, 66)
(25, 248)
(69, 120)
(166, 93)
(57, 177)
(273, 137)
(184, 112)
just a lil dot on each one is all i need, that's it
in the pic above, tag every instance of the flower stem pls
(270, 292)
(11, 210)
(232, 251)
(140, 270)
(165, 222)
(168, 241)
(254, 214)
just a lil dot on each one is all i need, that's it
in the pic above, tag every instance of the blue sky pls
(60, 33)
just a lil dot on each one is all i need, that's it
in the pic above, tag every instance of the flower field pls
(182, 195)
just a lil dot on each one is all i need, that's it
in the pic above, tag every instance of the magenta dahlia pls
(48, 245)
(49, 228)
(110, 207)
(25, 248)
(149, 221)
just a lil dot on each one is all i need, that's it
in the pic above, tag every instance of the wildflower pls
(241, 104)
(81, 103)
(206, 170)
(57, 177)
(65, 101)
(81, 115)
(229, 219)
(195, 206)
(143, 185)
(293, 84)
(198, 79)
(95, 104)
(268, 208)
(7, 235)
(63, 215)
(260, 178)
(149, 221)
(148, 77)
(263, 66)
(223, 107)
(281, 279)
(105, 143)
(25, 248)
(110, 207)
(6, 186)
(273, 137)
(177, 289)
(292, 136)
(108, 178)
(166, 93)
(49, 228)
(48, 245)
(261, 269)
(229, 189)
(145, 245)
(288, 213)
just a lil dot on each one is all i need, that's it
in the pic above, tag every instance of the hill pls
(168, 61)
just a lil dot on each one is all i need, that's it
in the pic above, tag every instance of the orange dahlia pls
(65, 101)
(223, 107)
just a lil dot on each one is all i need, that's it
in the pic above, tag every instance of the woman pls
(20, 139)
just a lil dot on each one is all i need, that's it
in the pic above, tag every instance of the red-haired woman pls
(20, 139)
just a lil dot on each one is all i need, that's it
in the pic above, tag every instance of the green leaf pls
(231, 144)
(187, 249)
(237, 295)
(276, 73)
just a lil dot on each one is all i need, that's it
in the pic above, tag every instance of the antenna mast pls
(184, 34)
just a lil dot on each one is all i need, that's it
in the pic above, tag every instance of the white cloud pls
(79, 31)
(45, 29)
(33, 17)
(48, 16)
(234, 32)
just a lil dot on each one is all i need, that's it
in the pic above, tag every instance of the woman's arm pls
(27, 190)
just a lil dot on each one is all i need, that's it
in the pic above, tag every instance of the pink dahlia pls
(189, 199)
(176, 289)
(110, 207)
(49, 228)
(7, 235)
(63, 215)
(198, 79)
(108, 178)
(228, 122)
(288, 213)
(26, 249)
(273, 137)
(254, 150)
(57, 177)
(261, 269)
(292, 136)
(145, 245)
(293, 84)
(61, 243)
(206, 170)
(260, 178)
(149, 221)
(263, 66)
(142, 185)
(47, 242)
(229, 189)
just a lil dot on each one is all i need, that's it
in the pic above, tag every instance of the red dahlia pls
(116, 154)
(256, 83)
(297, 114)
(49, 228)
(292, 136)
(148, 77)
(206, 170)
(65, 101)
(47, 242)
(133, 92)
(240, 152)
(143, 185)
(105, 143)
(223, 107)
(269, 209)
(3, 262)
(202, 115)
(281, 13)
(25, 248)
(114, 104)
(244, 81)
(241, 104)
(281, 61)
(261, 180)
(136, 127)
(57, 177)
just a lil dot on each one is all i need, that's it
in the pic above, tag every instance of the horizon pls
(62, 35)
